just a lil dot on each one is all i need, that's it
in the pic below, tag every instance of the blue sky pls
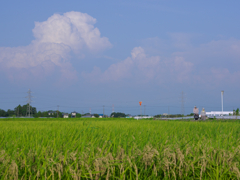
(86, 54)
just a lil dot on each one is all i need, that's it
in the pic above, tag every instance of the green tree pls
(96, 115)
(237, 111)
(60, 114)
(18, 110)
(10, 113)
(158, 116)
(38, 114)
(118, 114)
(85, 114)
(3, 113)
(78, 115)
(23, 110)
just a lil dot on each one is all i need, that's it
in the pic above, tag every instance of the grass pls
(119, 149)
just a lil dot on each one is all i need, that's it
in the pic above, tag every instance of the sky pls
(81, 55)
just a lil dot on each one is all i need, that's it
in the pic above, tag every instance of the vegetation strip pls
(119, 149)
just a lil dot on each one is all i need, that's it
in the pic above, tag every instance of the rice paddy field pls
(119, 149)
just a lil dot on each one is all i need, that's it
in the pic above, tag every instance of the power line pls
(103, 110)
(57, 110)
(46, 107)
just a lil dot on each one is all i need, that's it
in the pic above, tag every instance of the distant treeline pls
(18, 111)
(118, 114)
(22, 111)
(7, 113)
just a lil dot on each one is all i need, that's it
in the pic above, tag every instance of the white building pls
(143, 117)
(219, 113)
(74, 114)
(65, 115)
(51, 113)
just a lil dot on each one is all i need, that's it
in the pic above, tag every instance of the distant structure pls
(57, 110)
(29, 100)
(219, 113)
(51, 112)
(140, 103)
(74, 114)
(222, 99)
(142, 117)
(87, 116)
(65, 115)
(103, 110)
(144, 109)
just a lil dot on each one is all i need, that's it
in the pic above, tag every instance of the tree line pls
(18, 111)
(23, 111)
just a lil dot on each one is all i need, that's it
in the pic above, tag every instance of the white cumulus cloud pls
(143, 68)
(54, 39)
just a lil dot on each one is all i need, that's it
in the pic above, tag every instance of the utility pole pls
(90, 111)
(103, 110)
(141, 110)
(182, 102)
(140, 103)
(17, 111)
(168, 111)
(144, 109)
(29, 100)
(222, 100)
(57, 110)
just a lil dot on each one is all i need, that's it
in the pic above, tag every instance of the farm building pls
(87, 116)
(219, 113)
(51, 112)
(74, 114)
(65, 115)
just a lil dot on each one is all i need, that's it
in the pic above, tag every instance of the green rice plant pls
(119, 149)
